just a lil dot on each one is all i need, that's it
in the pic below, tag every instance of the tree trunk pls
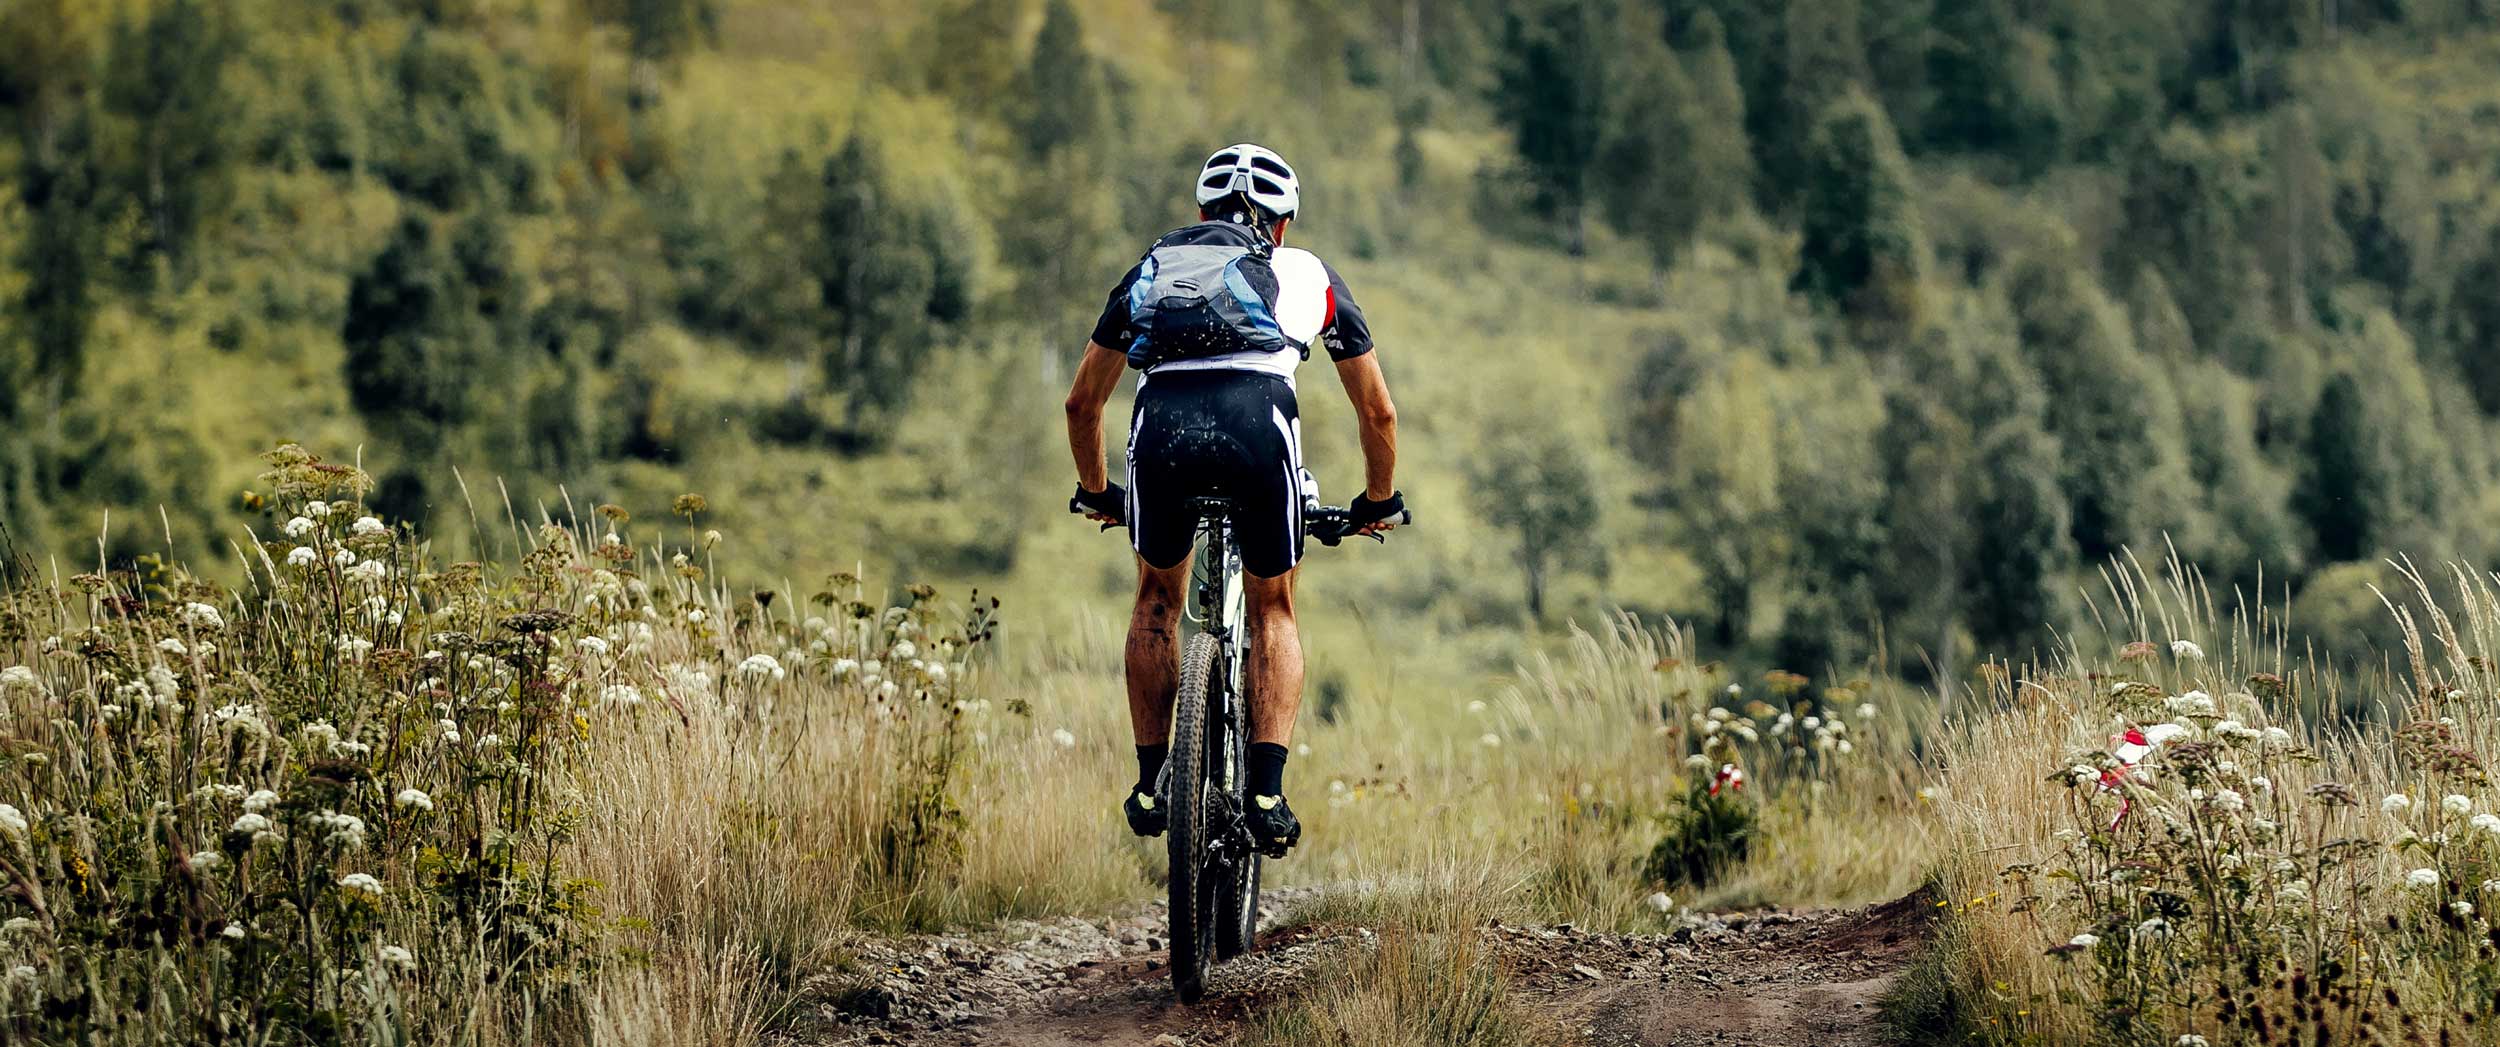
(1534, 566)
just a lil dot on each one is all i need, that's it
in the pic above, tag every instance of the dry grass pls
(2272, 868)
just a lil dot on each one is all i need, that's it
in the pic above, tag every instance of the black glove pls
(1111, 501)
(1367, 512)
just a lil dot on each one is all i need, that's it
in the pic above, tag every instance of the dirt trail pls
(1774, 979)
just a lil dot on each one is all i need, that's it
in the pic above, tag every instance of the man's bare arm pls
(1096, 377)
(1378, 419)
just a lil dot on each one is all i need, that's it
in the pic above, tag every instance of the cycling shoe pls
(1273, 825)
(1146, 816)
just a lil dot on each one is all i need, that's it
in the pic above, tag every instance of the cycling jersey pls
(1312, 305)
(1228, 425)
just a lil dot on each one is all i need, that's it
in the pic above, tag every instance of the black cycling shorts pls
(1216, 433)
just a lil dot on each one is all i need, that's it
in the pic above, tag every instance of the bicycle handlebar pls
(1330, 524)
(1333, 523)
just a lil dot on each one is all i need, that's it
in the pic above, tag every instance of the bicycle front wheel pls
(1194, 885)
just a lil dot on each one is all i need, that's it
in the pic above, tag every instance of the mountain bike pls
(1214, 881)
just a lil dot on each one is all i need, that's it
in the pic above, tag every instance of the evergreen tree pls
(1862, 249)
(2343, 488)
(2103, 414)
(1645, 170)
(417, 351)
(1553, 94)
(2016, 574)
(1824, 63)
(164, 78)
(890, 273)
(1721, 158)
(1066, 95)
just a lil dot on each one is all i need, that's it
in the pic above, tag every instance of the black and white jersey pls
(1312, 305)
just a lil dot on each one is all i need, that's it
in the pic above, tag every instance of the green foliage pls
(2082, 271)
(1535, 484)
(1863, 252)
(1709, 832)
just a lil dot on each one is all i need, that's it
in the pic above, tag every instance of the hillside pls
(1881, 312)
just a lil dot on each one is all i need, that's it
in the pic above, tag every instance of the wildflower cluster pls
(333, 805)
(2214, 877)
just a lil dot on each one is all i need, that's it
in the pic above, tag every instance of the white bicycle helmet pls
(1253, 171)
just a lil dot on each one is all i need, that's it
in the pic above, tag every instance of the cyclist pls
(1217, 315)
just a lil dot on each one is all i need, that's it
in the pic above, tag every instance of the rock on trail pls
(1769, 979)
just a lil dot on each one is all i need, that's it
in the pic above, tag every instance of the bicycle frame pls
(1218, 608)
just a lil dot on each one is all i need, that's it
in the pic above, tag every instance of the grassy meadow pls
(1896, 401)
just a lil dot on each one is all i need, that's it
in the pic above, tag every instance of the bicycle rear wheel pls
(1194, 886)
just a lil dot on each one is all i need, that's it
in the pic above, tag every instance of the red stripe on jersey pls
(1329, 317)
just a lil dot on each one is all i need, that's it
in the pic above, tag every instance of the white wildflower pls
(2464, 909)
(2278, 738)
(370, 571)
(317, 508)
(1866, 711)
(298, 527)
(251, 823)
(621, 694)
(366, 526)
(2456, 804)
(361, 882)
(1065, 738)
(172, 646)
(399, 957)
(2153, 928)
(2396, 803)
(260, 800)
(2191, 1039)
(416, 798)
(761, 665)
(903, 650)
(202, 616)
(302, 556)
(2229, 800)
(345, 830)
(2084, 941)
(2161, 733)
(1490, 740)
(2422, 879)
(843, 667)
(12, 821)
(695, 616)
(2187, 649)
(2085, 775)
(1659, 901)
(234, 931)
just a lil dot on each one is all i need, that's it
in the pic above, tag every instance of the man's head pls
(1250, 185)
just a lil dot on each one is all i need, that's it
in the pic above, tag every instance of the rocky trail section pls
(1767, 979)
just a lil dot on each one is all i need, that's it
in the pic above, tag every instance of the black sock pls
(1150, 764)
(1267, 769)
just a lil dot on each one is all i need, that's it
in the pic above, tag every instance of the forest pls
(1853, 333)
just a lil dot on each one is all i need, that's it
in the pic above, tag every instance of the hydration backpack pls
(1196, 300)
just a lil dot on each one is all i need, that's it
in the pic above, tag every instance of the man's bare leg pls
(1154, 651)
(1275, 659)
